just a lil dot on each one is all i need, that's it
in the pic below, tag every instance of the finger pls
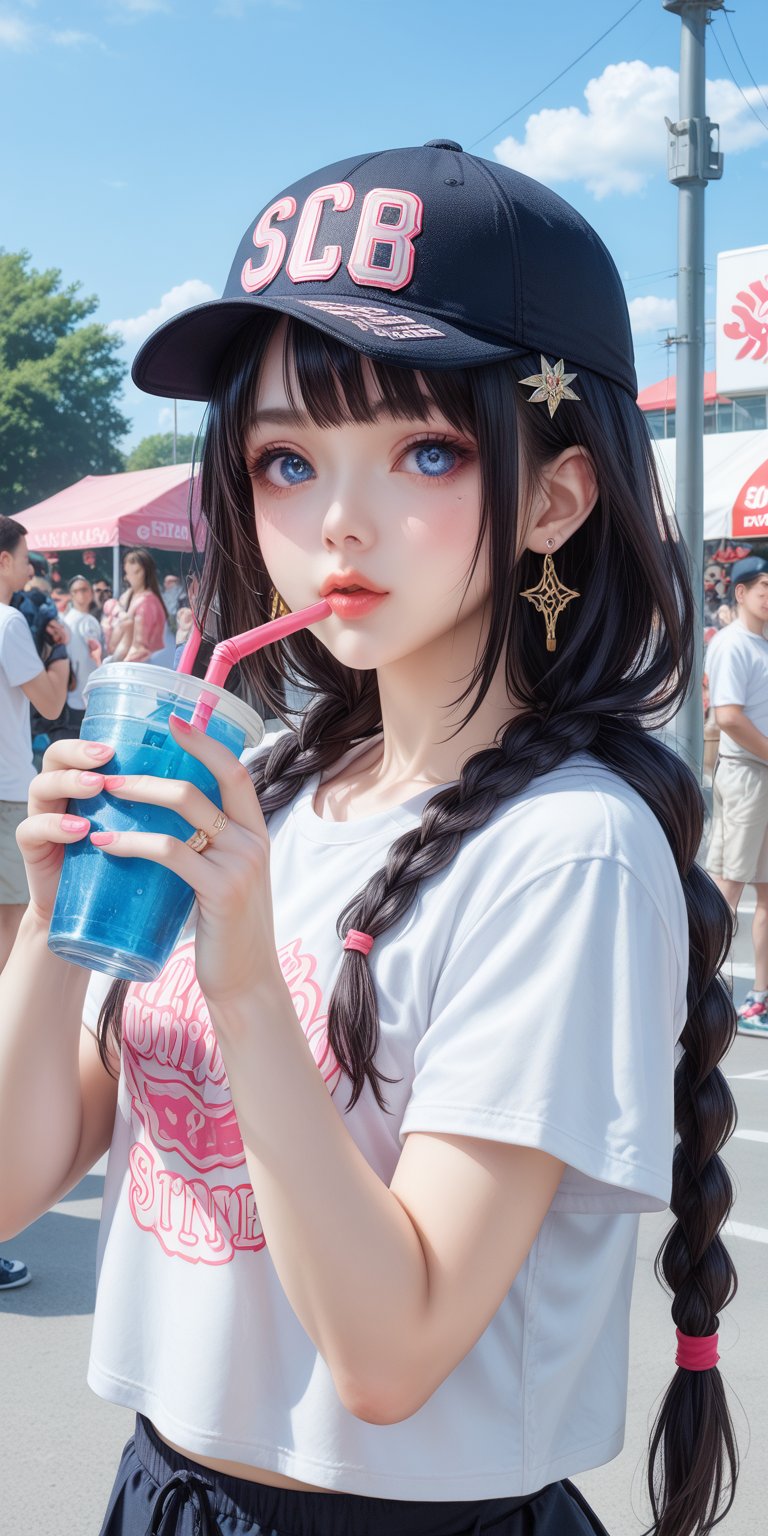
(74, 752)
(175, 794)
(160, 848)
(62, 785)
(35, 835)
(238, 796)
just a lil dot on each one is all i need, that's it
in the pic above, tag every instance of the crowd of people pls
(736, 669)
(53, 635)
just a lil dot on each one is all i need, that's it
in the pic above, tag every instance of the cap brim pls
(182, 358)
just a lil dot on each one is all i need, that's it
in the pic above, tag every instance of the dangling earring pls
(550, 596)
(279, 608)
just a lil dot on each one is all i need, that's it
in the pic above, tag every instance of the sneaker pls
(13, 1274)
(753, 1019)
(749, 1002)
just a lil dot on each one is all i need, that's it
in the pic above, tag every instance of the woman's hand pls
(48, 829)
(235, 949)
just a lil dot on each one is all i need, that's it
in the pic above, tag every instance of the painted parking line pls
(743, 1229)
(751, 1135)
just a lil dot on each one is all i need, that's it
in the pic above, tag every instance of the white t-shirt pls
(82, 628)
(533, 995)
(737, 670)
(19, 663)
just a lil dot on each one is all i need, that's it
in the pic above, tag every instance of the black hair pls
(624, 657)
(11, 534)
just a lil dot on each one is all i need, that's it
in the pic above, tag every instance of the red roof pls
(662, 396)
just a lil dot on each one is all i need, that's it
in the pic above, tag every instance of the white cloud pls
(620, 141)
(652, 314)
(15, 33)
(183, 296)
(142, 7)
(189, 414)
(238, 8)
(19, 34)
(74, 39)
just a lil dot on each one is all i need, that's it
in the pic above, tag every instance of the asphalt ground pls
(60, 1445)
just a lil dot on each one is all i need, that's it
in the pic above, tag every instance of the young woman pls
(382, 1130)
(138, 631)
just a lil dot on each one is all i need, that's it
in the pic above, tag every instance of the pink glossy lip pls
(351, 578)
(354, 605)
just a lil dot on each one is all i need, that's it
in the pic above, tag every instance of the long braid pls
(694, 1261)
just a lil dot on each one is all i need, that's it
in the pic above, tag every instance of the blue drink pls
(124, 916)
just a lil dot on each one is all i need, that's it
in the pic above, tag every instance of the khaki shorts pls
(14, 890)
(738, 848)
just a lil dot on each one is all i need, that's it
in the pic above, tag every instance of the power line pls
(756, 114)
(744, 62)
(565, 71)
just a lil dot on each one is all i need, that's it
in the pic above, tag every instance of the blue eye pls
(434, 459)
(289, 469)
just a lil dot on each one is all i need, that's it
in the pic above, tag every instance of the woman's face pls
(398, 501)
(134, 574)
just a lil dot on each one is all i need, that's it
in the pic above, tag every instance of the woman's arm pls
(393, 1285)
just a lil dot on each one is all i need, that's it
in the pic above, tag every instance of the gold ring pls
(218, 826)
(199, 841)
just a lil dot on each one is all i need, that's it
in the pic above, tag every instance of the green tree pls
(156, 451)
(59, 386)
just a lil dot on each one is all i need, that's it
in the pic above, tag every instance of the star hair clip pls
(551, 385)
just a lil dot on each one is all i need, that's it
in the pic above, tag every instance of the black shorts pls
(159, 1493)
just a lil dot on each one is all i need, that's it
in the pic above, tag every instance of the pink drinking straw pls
(188, 656)
(228, 652)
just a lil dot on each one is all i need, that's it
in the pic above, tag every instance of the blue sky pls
(141, 137)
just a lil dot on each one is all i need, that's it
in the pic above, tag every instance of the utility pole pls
(693, 159)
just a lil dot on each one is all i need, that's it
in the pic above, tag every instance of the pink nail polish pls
(97, 749)
(181, 725)
(113, 780)
(74, 824)
(90, 778)
(102, 839)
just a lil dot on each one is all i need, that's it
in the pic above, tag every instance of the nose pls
(347, 519)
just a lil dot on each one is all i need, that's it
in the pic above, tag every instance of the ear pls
(565, 495)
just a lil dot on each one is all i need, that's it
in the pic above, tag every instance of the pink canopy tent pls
(148, 507)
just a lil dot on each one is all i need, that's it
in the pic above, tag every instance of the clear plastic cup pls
(124, 916)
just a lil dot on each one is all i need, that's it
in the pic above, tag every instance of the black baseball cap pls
(425, 257)
(741, 570)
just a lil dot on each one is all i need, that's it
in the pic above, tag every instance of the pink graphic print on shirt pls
(182, 1110)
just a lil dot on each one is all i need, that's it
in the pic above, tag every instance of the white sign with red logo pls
(750, 509)
(742, 321)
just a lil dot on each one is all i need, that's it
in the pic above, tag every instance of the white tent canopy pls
(735, 482)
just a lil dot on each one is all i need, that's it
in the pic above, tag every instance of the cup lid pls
(163, 680)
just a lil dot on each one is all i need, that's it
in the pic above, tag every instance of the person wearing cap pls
(737, 670)
(382, 1129)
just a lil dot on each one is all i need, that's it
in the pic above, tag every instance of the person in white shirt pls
(737, 671)
(23, 678)
(382, 1128)
(84, 646)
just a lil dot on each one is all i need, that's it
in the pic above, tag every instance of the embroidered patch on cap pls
(376, 318)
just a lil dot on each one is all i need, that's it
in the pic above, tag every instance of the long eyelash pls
(267, 456)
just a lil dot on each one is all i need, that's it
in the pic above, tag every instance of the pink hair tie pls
(695, 1353)
(357, 940)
